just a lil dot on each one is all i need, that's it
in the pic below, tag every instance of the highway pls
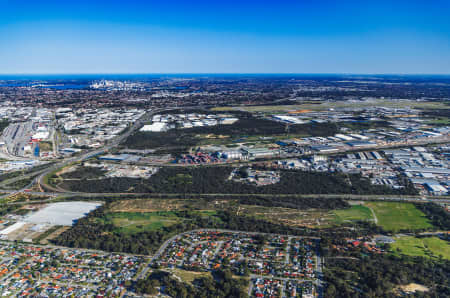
(20, 177)
(48, 190)
(54, 194)
(69, 194)
(39, 180)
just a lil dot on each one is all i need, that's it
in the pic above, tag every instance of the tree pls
(182, 180)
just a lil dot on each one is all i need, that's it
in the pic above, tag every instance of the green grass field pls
(394, 216)
(134, 222)
(431, 247)
(356, 212)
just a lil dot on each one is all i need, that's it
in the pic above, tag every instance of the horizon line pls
(225, 73)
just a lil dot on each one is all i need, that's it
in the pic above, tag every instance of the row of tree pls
(438, 216)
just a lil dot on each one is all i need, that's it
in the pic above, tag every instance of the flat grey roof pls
(427, 170)
(62, 213)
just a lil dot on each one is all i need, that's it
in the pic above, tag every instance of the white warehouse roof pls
(157, 126)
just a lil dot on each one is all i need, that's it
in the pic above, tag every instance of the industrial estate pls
(233, 186)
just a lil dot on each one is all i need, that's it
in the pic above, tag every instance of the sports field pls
(431, 247)
(355, 213)
(134, 222)
(394, 216)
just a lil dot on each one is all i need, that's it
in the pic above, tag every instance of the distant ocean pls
(79, 81)
(61, 86)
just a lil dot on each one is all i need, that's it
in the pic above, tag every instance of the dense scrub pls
(211, 180)
(222, 285)
(378, 275)
(364, 125)
(437, 113)
(3, 125)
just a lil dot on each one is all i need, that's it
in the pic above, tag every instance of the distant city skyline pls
(249, 37)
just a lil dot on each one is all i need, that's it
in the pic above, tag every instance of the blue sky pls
(310, 36)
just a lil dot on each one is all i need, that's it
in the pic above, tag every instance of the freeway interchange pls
(47, 190)
(257, 278)
(38, 180)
